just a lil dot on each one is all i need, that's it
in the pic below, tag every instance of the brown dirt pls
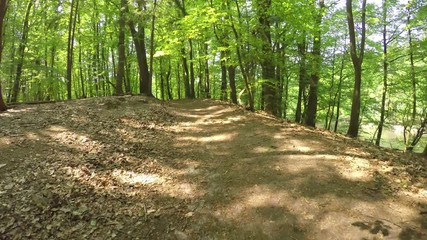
(136, 168)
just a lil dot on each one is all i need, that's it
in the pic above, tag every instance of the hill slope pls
(136, 168)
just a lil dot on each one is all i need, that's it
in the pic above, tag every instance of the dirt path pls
(131, 168)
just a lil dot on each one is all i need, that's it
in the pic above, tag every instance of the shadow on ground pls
(132, 168)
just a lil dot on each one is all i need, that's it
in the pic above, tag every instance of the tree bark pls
(385, 76)
(302, 79)
(192, 78)
(232, 80)
(224, 95)
(409, 144)
(310, 117)
(21, 53)
(243, 69)
(121, 50)
(269, 86)
(339, 92)
(3, 8)
(70, 44)
(207, 75)
(331, 103)
(186, 74)
(357, 59)
(138, 37)
(168, 76)
(153, 20)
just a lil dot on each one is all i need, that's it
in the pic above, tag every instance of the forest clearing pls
(139, 168)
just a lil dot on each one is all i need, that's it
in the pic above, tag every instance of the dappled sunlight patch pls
(420, 195)
(385, 208)
(357, 152)
(262, 195)
(32, 136)
(355, 169)
(13, 111)
(213, 138)
(297, 145)
(254, 197)
(205, 113)
(5, 141)
(303, 149)
(185, 127)
(328, 157)
(73, 140)
(296, 163)
(137, 124)
(261, 149)
(189, 168)
(134, 179)
(207, 109)
(127, 182)
(183, 190)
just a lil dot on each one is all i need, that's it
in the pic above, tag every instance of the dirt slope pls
(135, 168)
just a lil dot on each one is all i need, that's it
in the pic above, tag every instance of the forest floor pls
(138, 168)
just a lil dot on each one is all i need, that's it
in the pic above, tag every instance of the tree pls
(70, 46)
(357, 59)
(3, 7)
(21, 52)
(138, 36)
(310, 117)
(122, 50)
(269, 86)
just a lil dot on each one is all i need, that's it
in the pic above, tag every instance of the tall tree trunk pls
(138, 37)
(207, 75)
(128, 82)
(357, 59)
(121, 49)
(153, 20)
(232, 79)
(168, 76)
(186, 74)
(302, 79)
(21, 53)
(70, 44)
(3, 8)
(269, 86)
(192, 78)
(224, 95)
(408, 141)
(413, 79)
(310, 117)
(331, 103)
(385, 76)
(82, 81)
(339, 92)
(243, 69)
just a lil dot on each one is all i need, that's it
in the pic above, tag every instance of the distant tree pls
(3, 7)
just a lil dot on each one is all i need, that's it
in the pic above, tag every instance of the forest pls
(354, 67)
(213, 119)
